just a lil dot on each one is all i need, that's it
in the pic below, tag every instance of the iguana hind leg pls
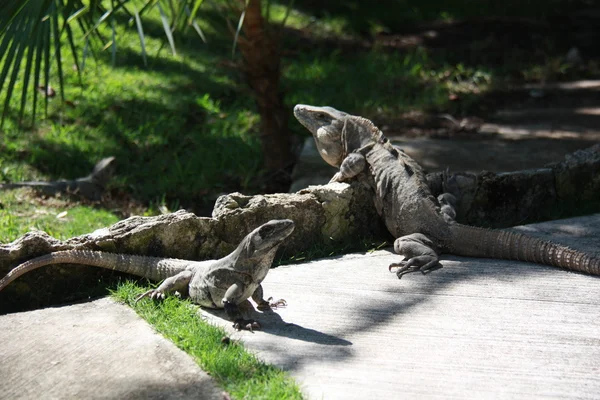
(419, 253)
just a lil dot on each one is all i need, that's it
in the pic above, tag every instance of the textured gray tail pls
(489, 243)
(152, 268)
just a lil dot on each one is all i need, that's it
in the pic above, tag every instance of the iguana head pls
(268, 236)
(326, 125)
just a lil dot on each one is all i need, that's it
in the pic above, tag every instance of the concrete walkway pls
(95, 350)
(477, 328)
(351, 330)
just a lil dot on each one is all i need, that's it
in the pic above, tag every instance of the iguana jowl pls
(222, 283)
(423, 229)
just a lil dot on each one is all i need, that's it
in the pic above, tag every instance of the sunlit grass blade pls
(167, 29)
(195, 25)
(192, 14)
(102, 18)
(239, 28)
(179, 22)
(140, 29)
(85, 26)
(96, 5)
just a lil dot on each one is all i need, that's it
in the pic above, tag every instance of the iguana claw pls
(337, 178)
(152, 293)
(246, 324)
(269, 304)
(406, 267)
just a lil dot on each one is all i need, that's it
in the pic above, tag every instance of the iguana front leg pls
(263, 304)
(419, 252)
(230, 304)
(352, 165)
(177, 282)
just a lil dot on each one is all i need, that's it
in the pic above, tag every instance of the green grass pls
(239, 372)
(184, 119)
(380, 83)
(184, 129)
(21, 211)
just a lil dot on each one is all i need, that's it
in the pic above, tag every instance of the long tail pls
(153, 268)
(489, 243)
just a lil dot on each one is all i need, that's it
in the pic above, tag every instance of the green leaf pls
(20, 49)
(27, 72)
(46, 64)
(195, 25)
(167, 29)
(140, 29)
(8, 57)
(239, 28)
(76, 15)
(9, 10)
(58, 55)
(192, 14)
(42, 37)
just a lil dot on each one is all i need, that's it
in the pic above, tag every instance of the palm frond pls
(36, 36)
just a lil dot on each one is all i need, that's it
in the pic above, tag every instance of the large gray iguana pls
(423, 227)
(222, 283)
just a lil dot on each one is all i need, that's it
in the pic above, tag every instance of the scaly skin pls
(423, 229)
(223, 283)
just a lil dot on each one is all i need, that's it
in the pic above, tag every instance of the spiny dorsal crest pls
(370, 126)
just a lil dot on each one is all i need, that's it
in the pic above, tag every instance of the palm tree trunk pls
(261, 62)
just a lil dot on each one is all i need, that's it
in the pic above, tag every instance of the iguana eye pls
(266, 230)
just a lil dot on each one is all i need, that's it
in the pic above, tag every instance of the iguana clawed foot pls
(269, 304)
(420, 253)
(246, 324)
(413, 265)
(153, 294)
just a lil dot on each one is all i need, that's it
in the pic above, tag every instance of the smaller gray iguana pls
(91, 187)
(423, 226)
(222, 283)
